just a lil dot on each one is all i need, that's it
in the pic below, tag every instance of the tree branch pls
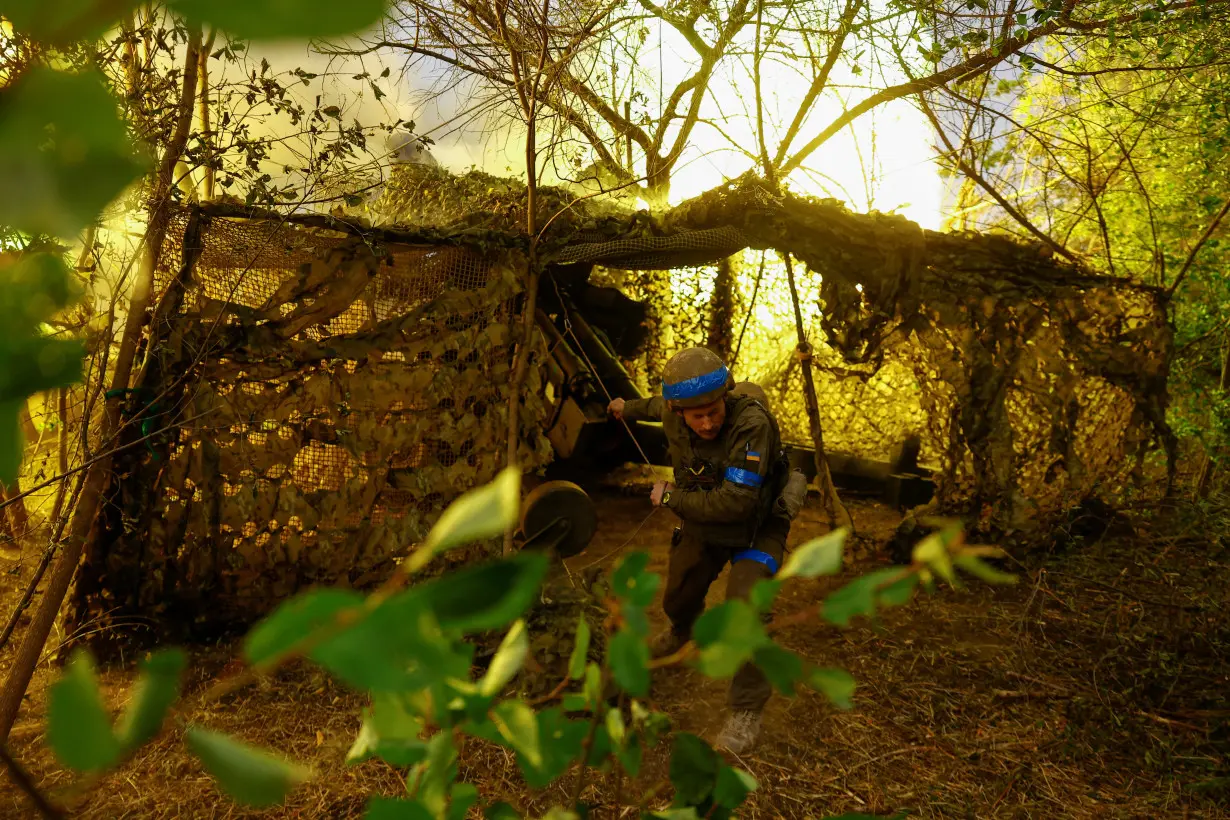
(821, 80)
(978, 64)
(982, 182)
(1204, 237)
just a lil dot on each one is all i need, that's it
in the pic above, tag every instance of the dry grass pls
(1094, 689)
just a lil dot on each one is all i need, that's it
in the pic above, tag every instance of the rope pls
(620, 548)
(581, 349)
(597, 378)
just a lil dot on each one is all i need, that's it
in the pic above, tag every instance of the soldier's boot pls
(740, 733)
(666, 643)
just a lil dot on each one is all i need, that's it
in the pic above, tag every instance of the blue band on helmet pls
(696, 386)
(744, 477)
(758, 556)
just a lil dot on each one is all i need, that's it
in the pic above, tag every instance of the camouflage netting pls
(333, 387)
(1035, 383)
(332, 395)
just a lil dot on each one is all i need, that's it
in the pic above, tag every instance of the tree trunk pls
(720, 333)
(207, 137)
(6, 529)
(15, 508)
(836, 511)
(97, 477)
(1205, 480)
(27, 423)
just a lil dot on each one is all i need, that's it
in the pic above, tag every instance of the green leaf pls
(248, 775)
(782, 667)
(727, 635)
(764, 593)
(580, 650)
(398, 646)
(630, 755)
(592, 685)
(835, 684)
(899, 592)
(404, 643)
(518, 724)
(461, 797)
(933, 551)
(31, 292)
(507, 662)
(64, 152)
(390, 732)
(64, 22)
(857, 597)
(283, 19)
(430, 781)
(693, 769)
(732, 788)
(615, 726)
(501, 811)
(485, 597)
(395, 808)
(483, 512)
(12, 442)
(980, 569)
(631, 581)
(78, 726)
(156, 689)
(600, 748)
(294, 620)
(628, 658)
(819, 556)
(560, 740)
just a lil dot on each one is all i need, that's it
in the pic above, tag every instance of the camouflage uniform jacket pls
(725, 487)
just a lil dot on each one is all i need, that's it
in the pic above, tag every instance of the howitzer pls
(584, 373)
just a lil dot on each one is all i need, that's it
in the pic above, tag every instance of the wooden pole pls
(836, 511)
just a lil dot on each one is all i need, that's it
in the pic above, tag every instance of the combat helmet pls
(695, 377)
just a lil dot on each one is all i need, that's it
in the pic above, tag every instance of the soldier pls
(729, 470)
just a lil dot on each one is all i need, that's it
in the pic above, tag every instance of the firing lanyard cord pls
(609, 398)
(620, 548)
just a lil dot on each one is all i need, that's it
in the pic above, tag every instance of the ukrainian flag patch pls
(752, 455)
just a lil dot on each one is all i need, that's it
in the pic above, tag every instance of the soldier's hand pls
(616, 409)
(655, 497)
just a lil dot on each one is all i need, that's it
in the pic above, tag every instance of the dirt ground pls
(1096, 688)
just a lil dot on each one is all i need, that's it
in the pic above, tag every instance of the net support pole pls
(836, 511)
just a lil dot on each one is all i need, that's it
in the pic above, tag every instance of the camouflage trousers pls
(694, 566)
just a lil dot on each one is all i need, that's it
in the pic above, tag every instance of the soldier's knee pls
(745, 572)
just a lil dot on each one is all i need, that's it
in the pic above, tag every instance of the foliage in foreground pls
(406, 646)
(64, 154)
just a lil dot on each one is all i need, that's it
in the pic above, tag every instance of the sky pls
(884, 161)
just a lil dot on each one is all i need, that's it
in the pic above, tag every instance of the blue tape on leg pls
(759, 556)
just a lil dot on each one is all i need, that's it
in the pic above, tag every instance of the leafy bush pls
(406, 646)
